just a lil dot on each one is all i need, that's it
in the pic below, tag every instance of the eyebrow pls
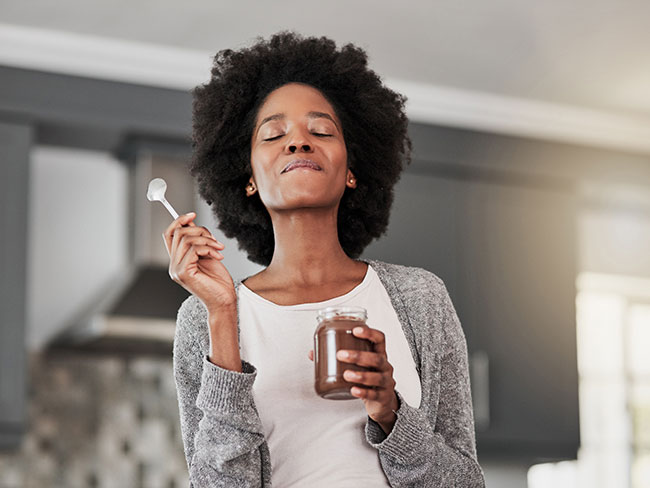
(311, 115)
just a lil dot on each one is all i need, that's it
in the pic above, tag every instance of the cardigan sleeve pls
(222, 433)
(424, 451)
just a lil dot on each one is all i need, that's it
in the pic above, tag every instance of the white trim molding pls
(524, 117)
(98, 57)
(183, 69)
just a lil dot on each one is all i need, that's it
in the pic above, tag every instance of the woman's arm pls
(434, 445)
(221, 429)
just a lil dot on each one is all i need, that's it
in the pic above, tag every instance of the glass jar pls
(334, 332)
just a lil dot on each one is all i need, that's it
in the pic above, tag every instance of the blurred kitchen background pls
(529, 195)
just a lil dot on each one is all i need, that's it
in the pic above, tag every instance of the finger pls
(187, 241)
(208, 252)
(181, 248)
(182, 220)
(179, 232)
(183, 233)
(366, 393)
(375, 336)
(310, 354)
(182, 225)
(371, 379)
(364, 358)
(190, 258)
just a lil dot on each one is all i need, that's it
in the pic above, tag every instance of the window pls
(613, 327)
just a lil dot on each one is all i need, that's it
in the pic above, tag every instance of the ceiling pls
(590, 53)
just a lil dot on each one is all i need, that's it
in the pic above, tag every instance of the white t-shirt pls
(316, 442)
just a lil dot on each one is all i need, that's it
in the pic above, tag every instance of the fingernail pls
(343, 354)
(358, 330)
(189, 213)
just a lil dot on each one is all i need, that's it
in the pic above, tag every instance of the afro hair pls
(224, 111)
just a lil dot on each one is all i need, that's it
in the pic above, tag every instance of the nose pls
(304, 147)
(298, 143)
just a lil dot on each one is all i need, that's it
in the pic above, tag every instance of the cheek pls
(338, 153)
(259, 163)
(344, 154)
(264, 178)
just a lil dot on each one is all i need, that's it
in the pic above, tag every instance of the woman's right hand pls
(195, 263)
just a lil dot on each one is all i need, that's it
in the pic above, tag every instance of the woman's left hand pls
(378, 390)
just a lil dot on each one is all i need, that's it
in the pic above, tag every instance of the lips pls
(301, 163)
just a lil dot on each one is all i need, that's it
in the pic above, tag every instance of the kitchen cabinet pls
(516, 294)
(507, 254)
(15, 142)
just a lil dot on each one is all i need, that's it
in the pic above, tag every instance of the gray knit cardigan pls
(429, 446)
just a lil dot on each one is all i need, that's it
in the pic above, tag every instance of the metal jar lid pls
(349, 313)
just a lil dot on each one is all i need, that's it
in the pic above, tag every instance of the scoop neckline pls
(369, 276)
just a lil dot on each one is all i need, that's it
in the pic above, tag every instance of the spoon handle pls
(169, 208)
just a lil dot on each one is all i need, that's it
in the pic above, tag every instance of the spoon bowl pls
(156, 192)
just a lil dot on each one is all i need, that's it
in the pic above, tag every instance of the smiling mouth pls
(301, 163)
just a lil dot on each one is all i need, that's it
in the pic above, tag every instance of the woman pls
(297, 147)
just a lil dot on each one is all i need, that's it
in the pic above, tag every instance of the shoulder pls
(418, 295)
(408, 279)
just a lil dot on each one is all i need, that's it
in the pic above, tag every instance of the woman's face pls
(298, 154)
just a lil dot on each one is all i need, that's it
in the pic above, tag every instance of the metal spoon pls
(156, 192)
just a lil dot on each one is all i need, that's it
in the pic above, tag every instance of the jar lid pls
(350, 313)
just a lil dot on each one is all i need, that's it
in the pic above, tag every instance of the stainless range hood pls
(136, 312)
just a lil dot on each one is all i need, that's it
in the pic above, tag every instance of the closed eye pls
(274, 137)
(317, 134)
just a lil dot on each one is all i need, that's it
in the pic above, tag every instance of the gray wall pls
(78, 235)
(77, 230)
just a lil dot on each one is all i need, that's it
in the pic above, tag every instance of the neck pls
(307, 248)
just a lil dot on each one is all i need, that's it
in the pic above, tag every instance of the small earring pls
(250, 188)
(351, 180)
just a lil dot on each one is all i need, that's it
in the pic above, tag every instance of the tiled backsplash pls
(98, 421)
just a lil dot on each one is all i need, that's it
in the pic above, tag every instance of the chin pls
(306, 199)
(304, 193)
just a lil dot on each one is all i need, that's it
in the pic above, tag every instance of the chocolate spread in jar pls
(334, 332)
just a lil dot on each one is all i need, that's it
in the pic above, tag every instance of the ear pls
(350, 180)
(251, 188)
